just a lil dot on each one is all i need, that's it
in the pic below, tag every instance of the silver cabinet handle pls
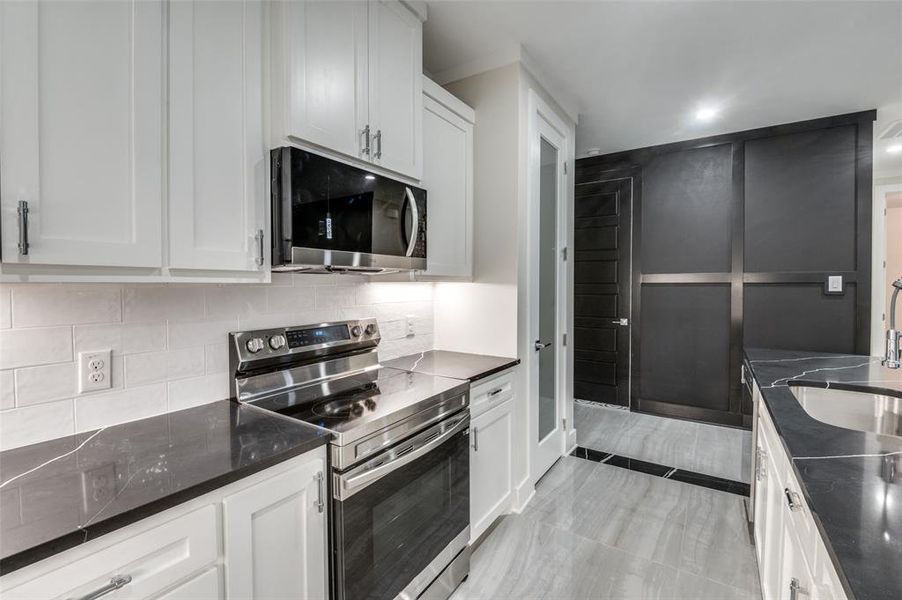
(22, 212)
(475, 439)
(378, 140)
(624, 322)
(366, 139)
(115, 583)
(415, 215)
(320, 503)
(795, 588)
(793, 500)
(258, 237)
(540, 346)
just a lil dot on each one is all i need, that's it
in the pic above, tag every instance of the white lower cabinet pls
(792, 560)
(261, 537)
(491, 453)
(206, 586)
(275, 536)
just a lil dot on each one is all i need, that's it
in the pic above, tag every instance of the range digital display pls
(299, 338)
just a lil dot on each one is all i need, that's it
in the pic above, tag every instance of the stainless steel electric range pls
(399, 454)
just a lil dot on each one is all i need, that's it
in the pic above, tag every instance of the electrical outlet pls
(410, 331)
(94, 371)
(98, 487)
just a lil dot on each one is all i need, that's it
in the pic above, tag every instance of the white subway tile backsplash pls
(32, 424)
(168, 342)
(216, 358)
(187, 334)
(42, 346)
(144, 303)
(282, 299)
(6, 316)
(121, 338)
(235, 300)
(7, 389)
(42, 384)
(186, 393)
(100, 410)
(40, 305)
(336, 296)
(141, 369)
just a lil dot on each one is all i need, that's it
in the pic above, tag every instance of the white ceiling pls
(638, 71)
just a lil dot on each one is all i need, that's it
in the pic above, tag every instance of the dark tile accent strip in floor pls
(633, 464)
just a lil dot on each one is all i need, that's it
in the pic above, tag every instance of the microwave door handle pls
(351, 485)
(415, 215)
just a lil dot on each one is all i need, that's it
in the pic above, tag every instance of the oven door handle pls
(415, 217)
(351, 483)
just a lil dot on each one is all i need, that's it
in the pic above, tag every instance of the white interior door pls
(547, 199)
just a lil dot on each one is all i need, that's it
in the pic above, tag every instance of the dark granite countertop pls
(61, 493)
(852, 480)
(456, 365)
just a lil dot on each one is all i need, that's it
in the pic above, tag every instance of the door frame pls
(541, 116)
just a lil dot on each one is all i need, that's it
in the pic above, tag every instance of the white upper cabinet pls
(325, 53)
(217, 159)
(395, 87)
(448, 179)
(81, 136)
(347, 78)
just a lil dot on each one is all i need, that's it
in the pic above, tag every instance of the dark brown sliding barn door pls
(601, 290)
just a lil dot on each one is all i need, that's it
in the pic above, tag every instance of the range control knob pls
(254, 345)
(356, 330)
(371, 329)
(277, 341)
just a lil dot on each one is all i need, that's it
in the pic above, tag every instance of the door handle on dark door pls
(624, 322)
(540, 346)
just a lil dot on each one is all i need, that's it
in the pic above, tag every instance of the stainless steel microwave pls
(329, 216)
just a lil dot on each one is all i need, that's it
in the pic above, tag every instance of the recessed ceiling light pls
(706, 113)
(369, 177)
(593, 151)
(894, 149)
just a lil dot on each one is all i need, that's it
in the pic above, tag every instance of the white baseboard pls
(523, 493)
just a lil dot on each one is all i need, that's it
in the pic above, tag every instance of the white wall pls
(491, 314)
(482, 316)
(168, 342)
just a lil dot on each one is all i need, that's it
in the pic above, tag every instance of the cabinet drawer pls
(491, 392)
(155, 559)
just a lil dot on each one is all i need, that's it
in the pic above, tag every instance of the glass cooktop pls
(358, 403)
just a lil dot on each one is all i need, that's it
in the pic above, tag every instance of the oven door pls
(399, 511)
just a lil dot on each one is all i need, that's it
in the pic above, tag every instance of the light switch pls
(834, 284)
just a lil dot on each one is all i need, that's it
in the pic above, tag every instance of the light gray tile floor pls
(709, 449)
(597, 531)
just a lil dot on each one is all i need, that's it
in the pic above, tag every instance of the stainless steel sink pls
(852, 410)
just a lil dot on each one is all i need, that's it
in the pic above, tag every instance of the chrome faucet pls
(893, 335)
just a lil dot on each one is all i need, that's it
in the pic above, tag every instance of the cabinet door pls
(275, 536)
(448, 179)
(326, 59)
(773, 530)
(217, 160)
(396, 87)
(490, 467)
(206, 586)
(796, 581)
(761, 491)
(81, 138)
